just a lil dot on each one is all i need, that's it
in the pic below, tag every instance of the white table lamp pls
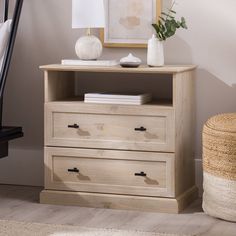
(87, 14)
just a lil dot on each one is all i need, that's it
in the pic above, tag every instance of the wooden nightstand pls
(96, 156)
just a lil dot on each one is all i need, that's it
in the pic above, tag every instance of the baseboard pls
(199, 176)
(187, 198)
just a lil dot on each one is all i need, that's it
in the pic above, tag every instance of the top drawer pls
(136, 128)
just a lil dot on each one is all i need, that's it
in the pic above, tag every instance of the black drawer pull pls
(141, 174)
(142, 129)
(75, 170)
(75, 126)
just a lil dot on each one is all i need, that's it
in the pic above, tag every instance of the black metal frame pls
(8, 133)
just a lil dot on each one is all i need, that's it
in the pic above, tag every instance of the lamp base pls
(88, 48)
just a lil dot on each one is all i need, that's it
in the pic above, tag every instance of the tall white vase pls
(155, 54)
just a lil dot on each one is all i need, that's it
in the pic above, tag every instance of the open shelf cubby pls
(71, 86)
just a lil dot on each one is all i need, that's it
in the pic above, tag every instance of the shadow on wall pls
(182, 54)
(213, 97)
(40, 41)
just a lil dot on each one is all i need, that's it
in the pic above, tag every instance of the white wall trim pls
(199, 175)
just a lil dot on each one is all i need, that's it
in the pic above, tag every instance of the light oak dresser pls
(119, 156)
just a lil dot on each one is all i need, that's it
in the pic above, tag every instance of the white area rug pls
(12, 228)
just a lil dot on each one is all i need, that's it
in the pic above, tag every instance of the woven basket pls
(219, 166)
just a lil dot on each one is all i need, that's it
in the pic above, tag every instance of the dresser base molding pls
(125, 202)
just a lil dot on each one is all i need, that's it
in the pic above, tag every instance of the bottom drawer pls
(105, 171)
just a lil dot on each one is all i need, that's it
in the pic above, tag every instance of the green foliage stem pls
(167, 24)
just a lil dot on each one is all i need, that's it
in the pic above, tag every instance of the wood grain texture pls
(112, 131)
(184, 104)
(125, 202)
(105, 129)
(110, 201)
(58, 85)
(104, 171)
(168, 69)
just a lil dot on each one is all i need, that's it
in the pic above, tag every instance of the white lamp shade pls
(88, 14)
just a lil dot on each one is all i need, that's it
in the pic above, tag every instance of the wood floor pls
(21, 204)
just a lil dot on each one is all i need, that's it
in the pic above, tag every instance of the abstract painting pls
(128, 22)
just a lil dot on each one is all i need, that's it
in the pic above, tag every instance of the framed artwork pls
(128, 22)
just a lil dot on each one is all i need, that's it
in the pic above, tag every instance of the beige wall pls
(45, 36)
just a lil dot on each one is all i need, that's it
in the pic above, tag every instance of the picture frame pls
(128, 22)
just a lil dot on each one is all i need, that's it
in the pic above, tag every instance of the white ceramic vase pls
(155, 54)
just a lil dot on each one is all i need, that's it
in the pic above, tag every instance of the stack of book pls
(134, 99)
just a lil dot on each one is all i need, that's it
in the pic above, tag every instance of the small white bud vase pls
(155, 54)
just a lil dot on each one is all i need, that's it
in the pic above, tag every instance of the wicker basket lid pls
(223, 123)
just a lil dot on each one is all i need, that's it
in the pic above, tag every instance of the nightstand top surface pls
(168, 69)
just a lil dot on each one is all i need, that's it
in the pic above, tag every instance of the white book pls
(115, 102)
(106, 63)
(136, 97)
(117, 98)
